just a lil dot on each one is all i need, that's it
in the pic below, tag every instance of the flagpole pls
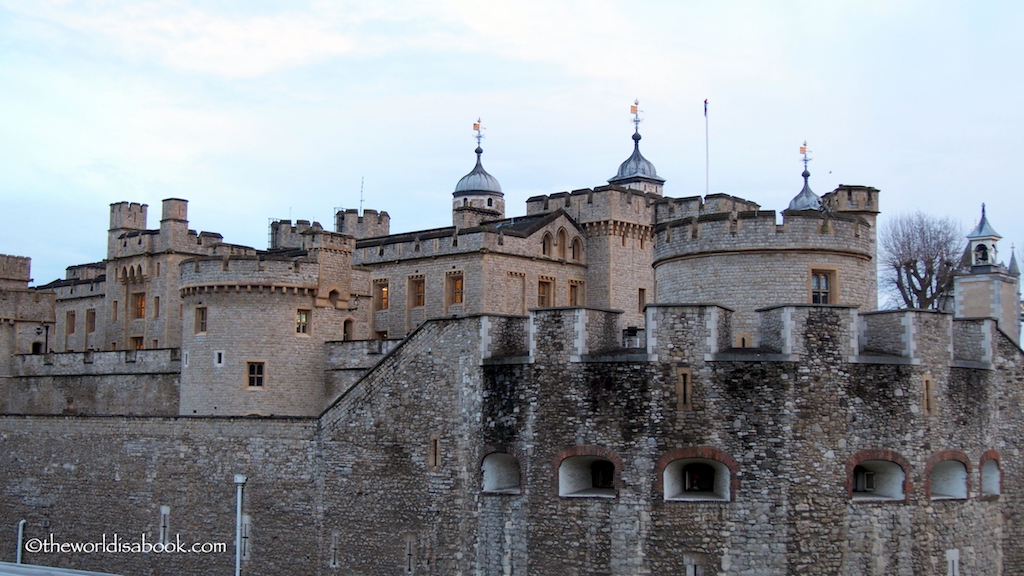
(707, 154)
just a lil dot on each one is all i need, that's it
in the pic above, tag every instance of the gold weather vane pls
(805, 151)
(479, 131)
(635, 111)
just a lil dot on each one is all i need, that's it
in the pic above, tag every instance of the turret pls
(989, 289)
(124, 216)
(478, 196)
(637, 172)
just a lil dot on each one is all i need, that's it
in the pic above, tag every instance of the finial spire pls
(635, 111)
(479, 135)
(805, 152)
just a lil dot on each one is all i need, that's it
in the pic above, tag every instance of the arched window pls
(586, 476)
(878, 480)
(347, 328)
(501, 473)
(697, 479)
(981, 254)
(490, 202)
(991, 478)
(947, 476)
(577, 249)
(563, 242)
(948, 480)
(545, 245)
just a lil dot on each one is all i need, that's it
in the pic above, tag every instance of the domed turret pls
(638, 172)
(477, 197)
(478, 181)
(806, 199)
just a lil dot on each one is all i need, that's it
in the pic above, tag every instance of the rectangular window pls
(138, 343)
(302, 321)
(156, 344)
(218, 358)
(158, 269)
(380, 295)
(641, 299)
(335, 540)
(576, 294)
(823, 287)
(200, 320)
(113, 311)
(684, 389)
(434, 452)
(929, 395)
(90, 320)
(455, 288)
(156, 307)
(69, 325)
(139, 305)
(256, 373)
(544, 299)
(417, 292)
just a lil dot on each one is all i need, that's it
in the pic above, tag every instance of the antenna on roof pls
(361, 180)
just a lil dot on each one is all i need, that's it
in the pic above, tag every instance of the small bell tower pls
(989, 289)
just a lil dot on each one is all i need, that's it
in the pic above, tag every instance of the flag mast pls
(707, 154)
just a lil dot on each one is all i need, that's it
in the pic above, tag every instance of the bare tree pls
(920, 254)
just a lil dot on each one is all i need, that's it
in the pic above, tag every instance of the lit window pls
(256, 373)
(417, 292)
(201, 320)
(302, 321)
(138, 343)
(455, 288)
(139, 305)
(380, 295)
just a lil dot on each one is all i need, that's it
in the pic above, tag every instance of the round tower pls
(477, 196)
(253, 336)
(727, 251)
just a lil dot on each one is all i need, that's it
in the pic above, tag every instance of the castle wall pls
(81, 478)
(143, 382)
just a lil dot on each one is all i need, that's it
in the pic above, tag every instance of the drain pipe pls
(21, 539)
(239, 483)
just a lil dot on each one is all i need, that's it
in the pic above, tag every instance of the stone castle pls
(616, 382)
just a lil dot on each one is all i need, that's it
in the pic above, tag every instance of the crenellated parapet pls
(368, 224)
(248, 273)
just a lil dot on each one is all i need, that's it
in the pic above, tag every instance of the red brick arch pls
(587, 450)
(878, 454)
(706, 452)
(985, 457)
(943, 456)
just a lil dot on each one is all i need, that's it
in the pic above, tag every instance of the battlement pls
(729, 231)
(368, 225)
(15, 272)
(598, 204)
(128, 216)
(306, 236)
(249, 273)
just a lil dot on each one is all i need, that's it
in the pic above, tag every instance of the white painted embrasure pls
(788, 328)
(674, 481)
(991, 482)
(889, 479)
(575, 479)
(531, 332)
(501, 473)
(949, 481)
(909, 334)
(651, 326)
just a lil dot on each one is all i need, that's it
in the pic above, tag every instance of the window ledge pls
(592, 493)
(697, 497)
(937, 497)
(503, 492)
(876, 499)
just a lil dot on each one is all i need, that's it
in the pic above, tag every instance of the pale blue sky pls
(258, 110)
